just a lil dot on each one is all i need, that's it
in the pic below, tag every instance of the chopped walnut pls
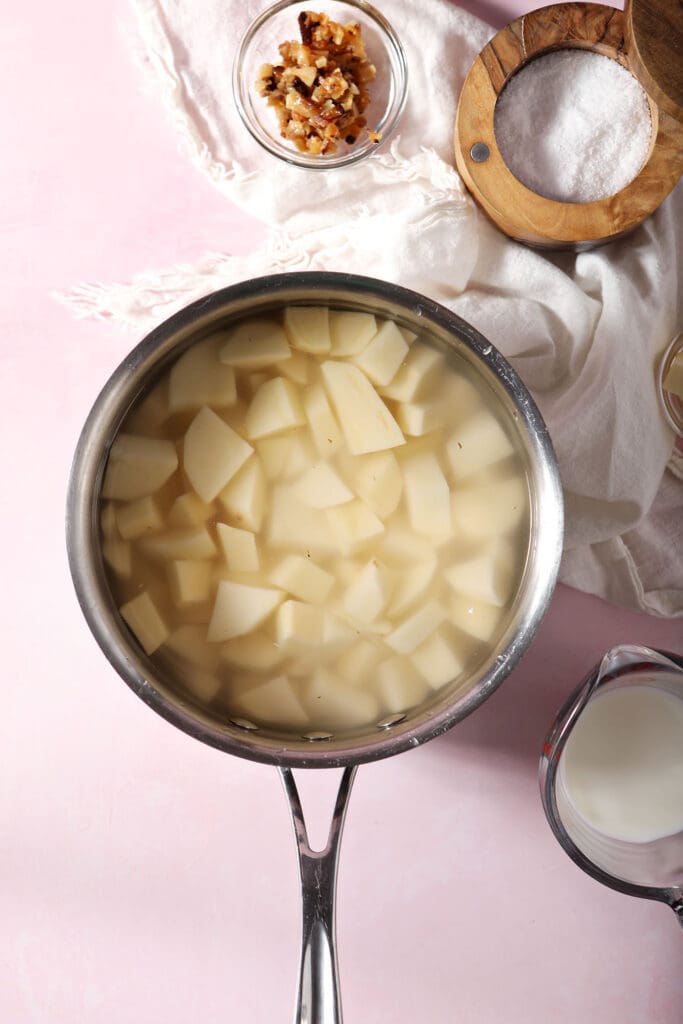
(319, 91)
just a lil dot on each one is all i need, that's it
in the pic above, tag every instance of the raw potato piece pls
(189, 510)
(401, 546)
(295, 368)
(350, 332)
(287, 455)
(255, 652)
(378, 481)
(138, 517)
(275, 702)
(239, 609)
(198, 378)
(427, 496)
(419, 369)
(334, 705)
(411, 586)
(491, 508)
(478, 443)
(189, 582)
(239, 548)
(275, 407)
(212, 454)
(353, 525)
(118, 554)
(138, 466)
(399, 685)
(254, 344)
(358, 661)
(380, 360)
(302, 578)
(367, 423)
(189, 642)
(194, 543)
(416, 628)
(418, 418)
(437, 660)
(244, 499)
(308, 328)
(201, 684)
(143, 618)
(327, 435)
(488, 577)
(298, 626)
(291, 524)
(322, 487)
(477, 618)
(108, 521)
(369, 594)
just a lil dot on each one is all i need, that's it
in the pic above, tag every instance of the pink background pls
(144, 877)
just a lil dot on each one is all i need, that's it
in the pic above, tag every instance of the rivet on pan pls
(387, 723)
(244, 723)
(480, 152)
(316, 737)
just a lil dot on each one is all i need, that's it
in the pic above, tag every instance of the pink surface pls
(143, 876)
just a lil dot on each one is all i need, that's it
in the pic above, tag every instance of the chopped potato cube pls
(358, 661)
(401, 546)
(420, 368)
(418, 418)
(480, 620)
(275, 702)
(189, 582)
(212, 454)
(353, 525)
(118, 554)
(322, 487)
(257, 652)
(489, 576)
(138, 466)
(139, 517)
(239, 548)
(327, 434)
(381, 358)
(437, 660)
(189, 510)
(193, 543)
(286, 455)
(489, 509)
(201, 684)
(350, 332)
(478, 443)
(399, 685)
(370, 592)
(411, 586)
(367, 424)
(240, 608)
(108, 521)
(189, 642)
(143, 617)
(378, 481)
(291, 524)
(275, 407)
(416, 628)
(308, 328)
(254, 344)
(335, 705)
(302, 578)
(244, 498)
(295, 368)
(298, 625)
(427, 495)
(199, 378)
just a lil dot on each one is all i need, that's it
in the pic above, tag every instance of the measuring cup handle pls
(318, 998)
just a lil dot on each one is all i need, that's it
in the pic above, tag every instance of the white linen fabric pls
(585, 332)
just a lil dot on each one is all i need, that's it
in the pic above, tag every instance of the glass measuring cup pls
(651, 868)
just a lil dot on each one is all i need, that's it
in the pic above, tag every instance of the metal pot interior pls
(138, 373)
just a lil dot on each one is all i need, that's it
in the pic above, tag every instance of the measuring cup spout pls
(318, 996)
(628, 657)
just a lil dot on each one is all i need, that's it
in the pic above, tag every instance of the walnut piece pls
(320, 89)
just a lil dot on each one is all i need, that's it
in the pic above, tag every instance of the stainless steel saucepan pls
(318, 1000)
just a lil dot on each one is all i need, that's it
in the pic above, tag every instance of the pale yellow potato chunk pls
(415, 629)
(350, 332)
(398, 684)
(199, 378)
(418, 418)
(256, 652)
(119, 555)
(437, 659)
(193, 543)
(298, 625)
(250, 384)
(239, 609)
(377, 479)
(355, 665)
(427, 495)
(108, 520)
(291, 524)
(322, 487)
(411, 586)
(212, 454)
(479, 443)
(491, 508)
(488, 577)
(416, 375)
(189, 582)
(149, 417)
(308, 328)
(189, 510)
(381, 358)
(254, 344)
(335, 705)
(401, 546)
(189, 643)
(138, 466)
(136, 518)
(275, 407)
(367, 424)
(145, 621)
(368, 595)
(353, 525)
(478, 619)
(296, 368)
(326, 432)
(286, 456)
(201, 684)
(302, 578)
(275, 702)
(239, 548)
(244, 498)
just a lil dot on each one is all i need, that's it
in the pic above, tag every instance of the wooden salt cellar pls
(646, 39)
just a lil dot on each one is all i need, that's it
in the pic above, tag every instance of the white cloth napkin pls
(585, 332)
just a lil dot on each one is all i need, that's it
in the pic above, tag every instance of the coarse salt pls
(573, 126)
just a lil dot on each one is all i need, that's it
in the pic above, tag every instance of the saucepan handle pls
(318, 998)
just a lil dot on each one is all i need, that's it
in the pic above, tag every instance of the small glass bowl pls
(259, 46)
(672, 404)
